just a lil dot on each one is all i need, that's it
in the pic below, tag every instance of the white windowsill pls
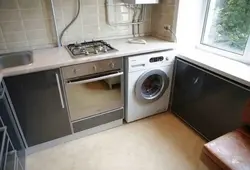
(229, 68)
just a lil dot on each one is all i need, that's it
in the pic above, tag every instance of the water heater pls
(141, 1)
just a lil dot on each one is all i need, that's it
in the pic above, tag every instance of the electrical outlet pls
(167, 27)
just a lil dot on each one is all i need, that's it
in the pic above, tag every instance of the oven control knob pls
(111, 65)
(74, 70)
(94, 67)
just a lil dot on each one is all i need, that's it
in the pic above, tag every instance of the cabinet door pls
(39, 102)
(212, 105)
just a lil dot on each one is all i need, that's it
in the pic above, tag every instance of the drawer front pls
(91, 68)
(95, 121)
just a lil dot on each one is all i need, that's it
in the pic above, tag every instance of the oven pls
(95, 93)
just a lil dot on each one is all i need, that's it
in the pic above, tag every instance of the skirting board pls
(74, 136)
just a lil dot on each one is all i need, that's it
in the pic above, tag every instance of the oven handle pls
(95, 79)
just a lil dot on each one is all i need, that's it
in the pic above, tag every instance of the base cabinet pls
(209, 103)
(40, 105)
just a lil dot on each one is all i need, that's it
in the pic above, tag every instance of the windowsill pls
(229, 68)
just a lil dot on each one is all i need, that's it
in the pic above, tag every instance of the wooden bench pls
(229, 152)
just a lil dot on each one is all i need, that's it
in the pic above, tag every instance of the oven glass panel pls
(88, 99)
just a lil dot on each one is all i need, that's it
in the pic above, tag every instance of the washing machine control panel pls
(156, 59)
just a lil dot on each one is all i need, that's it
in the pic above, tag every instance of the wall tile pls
(3, 47)
(17, 46)
(36, 34)
(94, 20)
(34, 24)
(11, 26)
(9, 15)
(57, 3)
(28, 14)
(8, 4)
(164, 14)
(29, 23)
(89, 2)
(19, 36)
(1, 37)
(24, 4)
(26, 23)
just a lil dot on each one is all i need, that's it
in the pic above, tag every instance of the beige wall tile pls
(34, 24)
(69, 3)
(25, 23)
(18, 46)
(11, 26)
(90, 20)
(1, 38)
(36, 34)
(24, 4)
(3, 46)
(57, 3)
(8, 4)
(164, 14)
(34, 20)
(101, 2)
(19, 36)
(40, 42)
(89, 10)
(7, 15)
(28, 14)
(89, 2)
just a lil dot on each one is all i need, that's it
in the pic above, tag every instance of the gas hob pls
(91, 48)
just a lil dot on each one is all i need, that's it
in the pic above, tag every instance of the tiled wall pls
(164, 13)
(91, 23)
(25, 24)
(28, 24)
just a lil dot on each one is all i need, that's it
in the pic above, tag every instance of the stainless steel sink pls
(16, 59)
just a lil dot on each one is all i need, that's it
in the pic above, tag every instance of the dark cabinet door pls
(7, 119)
(39, 102)
(209, 103)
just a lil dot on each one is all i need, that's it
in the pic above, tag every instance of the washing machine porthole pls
(151, 85)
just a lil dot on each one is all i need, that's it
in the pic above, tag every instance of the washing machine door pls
(151, 85)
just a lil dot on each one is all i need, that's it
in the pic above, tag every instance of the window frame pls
(218, 51)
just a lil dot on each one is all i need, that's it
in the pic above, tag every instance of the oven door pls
(94, 94)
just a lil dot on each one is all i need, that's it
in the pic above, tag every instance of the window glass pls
(227, 25)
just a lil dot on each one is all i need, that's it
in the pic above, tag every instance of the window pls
(226, 27)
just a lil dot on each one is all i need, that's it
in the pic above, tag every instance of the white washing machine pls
(148, 84)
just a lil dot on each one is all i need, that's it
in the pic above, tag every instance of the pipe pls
(71, 22)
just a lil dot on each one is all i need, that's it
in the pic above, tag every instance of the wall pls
(28, 24)
(189, 31)
(91, 23)
(25, 24)
(164, 13)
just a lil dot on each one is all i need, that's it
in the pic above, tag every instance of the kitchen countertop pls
(231, 69)
(46, 59)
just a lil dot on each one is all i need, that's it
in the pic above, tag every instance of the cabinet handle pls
(60, 90)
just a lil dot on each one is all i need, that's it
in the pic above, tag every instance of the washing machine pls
(148, 84)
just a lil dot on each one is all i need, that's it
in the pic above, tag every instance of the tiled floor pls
(161, 142)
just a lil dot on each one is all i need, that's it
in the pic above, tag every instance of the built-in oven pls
(95, 93)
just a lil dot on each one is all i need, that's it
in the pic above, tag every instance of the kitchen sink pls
(16, 59)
